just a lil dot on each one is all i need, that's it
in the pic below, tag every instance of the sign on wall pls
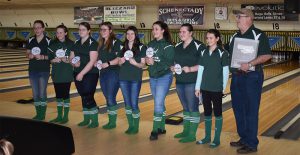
(221, 13)
(92, 15)
(177, 15)
(270, 12)
(120, 15)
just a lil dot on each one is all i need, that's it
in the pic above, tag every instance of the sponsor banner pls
(120, 15)
(177, 15)
(270, 12)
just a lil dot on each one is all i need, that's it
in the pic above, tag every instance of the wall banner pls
(270, 12)
(120, 15)
(177, 15)
(92, 15)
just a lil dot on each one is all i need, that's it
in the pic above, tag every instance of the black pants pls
(62, 90)
(86, 89)
(212, 98)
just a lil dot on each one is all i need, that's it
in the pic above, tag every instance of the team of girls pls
(199, 70)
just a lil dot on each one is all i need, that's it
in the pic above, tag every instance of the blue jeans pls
(159, 88)
(109, 82)
(38, 82)
(187, 97)
(131, 92)
(246, 92)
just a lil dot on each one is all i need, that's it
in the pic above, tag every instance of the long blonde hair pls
(109, 43)
(6, 147)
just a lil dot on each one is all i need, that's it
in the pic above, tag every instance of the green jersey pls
(130, 72)
(213, 63)
(251, 33)
(188, 56)
(39, 65)
(106, 55)
(83, 51)
(61, 72)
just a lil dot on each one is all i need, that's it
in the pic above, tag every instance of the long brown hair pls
(136, 43)
(109, 43)
(166, 33)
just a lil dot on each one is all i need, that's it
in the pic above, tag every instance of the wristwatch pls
(108, 63)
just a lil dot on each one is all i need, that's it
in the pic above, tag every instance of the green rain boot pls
(136, 122)
(65, 118)
(94, 118)
(59, 111)
(218, 129)
(86, 118)
(186, 125)
(129, 119)
(162, 128)
(194, 123)
(207, 137)
(156, 125)
(43, 109)
(37, 110)
(112, 118)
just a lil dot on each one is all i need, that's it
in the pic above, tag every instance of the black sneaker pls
(237, 144)
(153, 136)
(161, 131)
(246, 150)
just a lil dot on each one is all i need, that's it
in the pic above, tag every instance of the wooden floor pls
(275, 103)
(99, 141)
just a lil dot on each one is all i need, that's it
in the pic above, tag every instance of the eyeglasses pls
(37, 28)
(103, 30)
(240, 16)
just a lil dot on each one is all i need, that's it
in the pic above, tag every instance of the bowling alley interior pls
(34, 121)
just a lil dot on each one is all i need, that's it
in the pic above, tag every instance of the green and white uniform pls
(62, 76)
(39, 71)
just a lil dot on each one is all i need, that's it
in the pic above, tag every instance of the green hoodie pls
(163, 58)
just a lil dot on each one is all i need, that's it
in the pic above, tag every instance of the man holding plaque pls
(249, 49)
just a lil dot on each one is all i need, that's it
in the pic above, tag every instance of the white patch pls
(30, 39)
(76, 41)
(50, 49)
(167, 46)
(221, 53)
(114, 42)
(197, 45)
(178, 44)
(48, 41)
(121, 47)
(155, 51)
(255, 36)
(91, 42)
(202, 52)
(141, 46)
(232, 37)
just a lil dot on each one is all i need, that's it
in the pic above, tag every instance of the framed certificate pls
(244, 51)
